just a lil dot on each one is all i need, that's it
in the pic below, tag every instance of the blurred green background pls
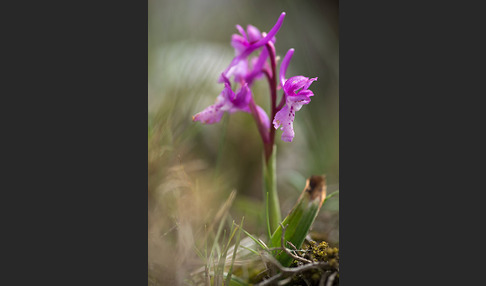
(188, 48)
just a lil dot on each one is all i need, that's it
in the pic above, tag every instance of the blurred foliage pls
(192, 167)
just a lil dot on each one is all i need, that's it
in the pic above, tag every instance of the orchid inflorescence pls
(244, 69)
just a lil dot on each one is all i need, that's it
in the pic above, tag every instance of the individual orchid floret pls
(245, 44)
(229, 101)
(248, 70)
(254, 39)
(245, 39)
(297, 94)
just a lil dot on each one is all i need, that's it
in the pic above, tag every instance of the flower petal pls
(294, 83)
(304, 92)
(227, 92)
(272, 32)
(263, 117)
(257, 70)
(297, 104)
(253, 34)
(238, 70)
(242, 98)
(241, 30)
(285, 65)
(239, 43)
(285, 120)
(299, 98)
(213, 113)
(309, 82)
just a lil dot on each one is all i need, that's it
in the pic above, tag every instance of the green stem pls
(272, 205)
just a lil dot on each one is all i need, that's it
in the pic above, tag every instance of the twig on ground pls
(284, 281)
(299, 269)
(295, 248)
(323, 278)
(288, 251)
(286, 271)
(281, 248)
(270, 280)
(330, 281)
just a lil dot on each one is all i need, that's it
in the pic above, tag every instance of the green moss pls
(313, 251)
(321, 252)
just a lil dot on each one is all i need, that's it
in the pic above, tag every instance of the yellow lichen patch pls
(321, 252)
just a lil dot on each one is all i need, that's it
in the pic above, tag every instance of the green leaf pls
(237, 243)
(300, 218)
